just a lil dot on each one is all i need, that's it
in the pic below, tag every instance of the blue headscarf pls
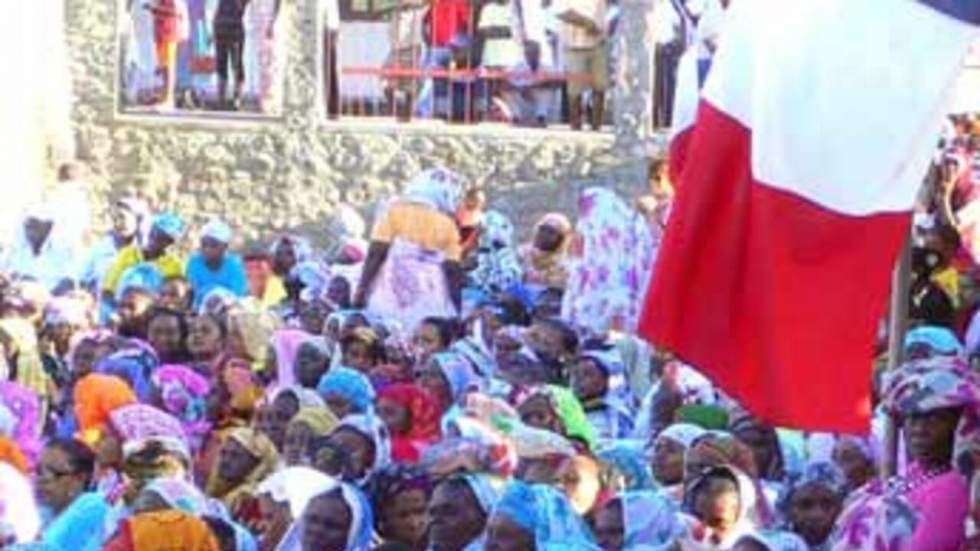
(940, 340)
(170, 224)
(133, 365)
(547, 514)
(352, 385)
(143, 276)
(650, 521)
(458, 372)
(628, 459)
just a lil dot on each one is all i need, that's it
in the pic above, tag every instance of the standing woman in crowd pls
(544, 258)
(413, 265)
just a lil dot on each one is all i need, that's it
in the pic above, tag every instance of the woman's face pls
(668, 461)
(284, 407)
(608, 526)
(431, 379)
(537, 412)
(298, 437)
(360, 448)
(340, 406)
(763, 443)
(588, 380)
(396, 416)
(427, 341)
(358, 356)
(503, 534)
(175, 295)
(547, 239)
(204, 338)
(164, 336)
(310, 365)
(929, 437)
(813, 510)
(58, 483)
(455, 517)
(857, 468)
(276, 520)
(236, 462)
(326, 524)
(717, 506)
(84, 358)
(404, 518)
(124, 222)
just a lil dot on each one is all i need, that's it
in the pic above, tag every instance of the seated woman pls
(536, 518)
(283, 497)
(307, 424)
(668, 454)
(545, 257)
(412, 417)
(65, 474)
(719, 507)
(346, 392)
(247, 457)
(814, 502)
(459, 510)
(599, 382)
(556, 409)
(400, 495)
(339, 519)
(935, 401)
(366, 439)
(632, 521)
(448, 377)
(857, 457)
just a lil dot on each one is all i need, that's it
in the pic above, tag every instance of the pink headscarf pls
(25, 407)
(286, 343)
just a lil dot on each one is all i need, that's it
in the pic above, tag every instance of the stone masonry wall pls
(289, 172)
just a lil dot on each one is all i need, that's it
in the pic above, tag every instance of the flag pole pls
(897, 325)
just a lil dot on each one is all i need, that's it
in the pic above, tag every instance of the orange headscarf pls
(96, 396)
(170, 529)
(10, 453)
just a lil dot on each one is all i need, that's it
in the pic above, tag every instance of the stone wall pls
(289, 172)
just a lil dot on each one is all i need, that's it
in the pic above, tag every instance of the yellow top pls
(169, 265)
(421, 225)
(275, 292)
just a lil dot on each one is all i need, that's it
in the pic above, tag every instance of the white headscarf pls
(437, 188)
(19, 517)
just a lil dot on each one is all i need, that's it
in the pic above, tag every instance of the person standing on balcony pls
(169, 29)
(229, 45)
(586, 57)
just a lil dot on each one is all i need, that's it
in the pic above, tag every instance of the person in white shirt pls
(586, 57)
(40, 252)
(130, 217)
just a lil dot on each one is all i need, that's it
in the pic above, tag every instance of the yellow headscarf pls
(321, 420)
(260, 447)
(20, 338)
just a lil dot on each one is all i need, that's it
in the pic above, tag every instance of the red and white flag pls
(813, 134)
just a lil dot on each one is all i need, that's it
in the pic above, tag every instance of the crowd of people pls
(427, 384)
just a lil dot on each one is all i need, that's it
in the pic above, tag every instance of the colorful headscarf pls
(145, 277)
(534, 443)
(135, 423)
(96, 396)
(751, 502)
(170, 224)
(939, 340)
(821, 473)
(720, 448)
(133, 365)
(424, 417)
(170, 529)
(352, 385)
(609, 264)
(376, 432)
(567, 407)
(287, 343)
(650, 521)
(627, 461)
(25, 424)
(487, 490)
(21, 340)
(183, 393)
(458, 373)
(392, 481)
(361, 532)
(498, 266)
(262, 449)
(11, 454)
(436, 188)
(547, 514)
(938, 383)
(320, 420)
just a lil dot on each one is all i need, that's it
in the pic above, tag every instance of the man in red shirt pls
(169, 28)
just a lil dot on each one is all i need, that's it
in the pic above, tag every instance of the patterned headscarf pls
(320, 420)
(751, 501)
(424, 417)
(683, 433)
(627, 461)
(941, 382)
(547, 514)
(820, 473)
(184, 496)
(458, 372)
(301, 247)
(498, 266)
(775, 470)
(25, 411)
(375, 431)
(352, 385)
(255, 326)
(569, 410)
(610, 264)
(262, 449)
(436, 188)
(392, 481)
(184, 394)
(133, 365)
(937, 340)
(720, 448)
(138, 422)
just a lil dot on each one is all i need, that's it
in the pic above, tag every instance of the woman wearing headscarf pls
(536, 518)
(95, 397)
(339, 519)
(668, 455)
(626, 466)
(813, 503)
(556, 409)
(231, 405)
(63, 319)
(609, 265)
(936, 403)
(129, 216)
(637, 521)
(20, 345)
(286, 495)
(765, 445)
(366, 439)
(135, 365)
(459, 510)
(166, 230)
(42, 250)
(20, 520)
(720, 507)
(413, 265)
(412, 417)
(250, 330)
(23, 425)
(286, 251)
(598, 379)
(346, 391)
(213, 266)
(497, 264)
(307, 424)
(183, 393)
(545, 257)
(134, 423)
(399, 496)
(286, 344)
(247, 458)
(857, 457)
(448, 377)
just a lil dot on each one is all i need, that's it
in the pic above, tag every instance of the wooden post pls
(897, 325)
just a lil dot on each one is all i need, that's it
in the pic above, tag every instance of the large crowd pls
(426, 383)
